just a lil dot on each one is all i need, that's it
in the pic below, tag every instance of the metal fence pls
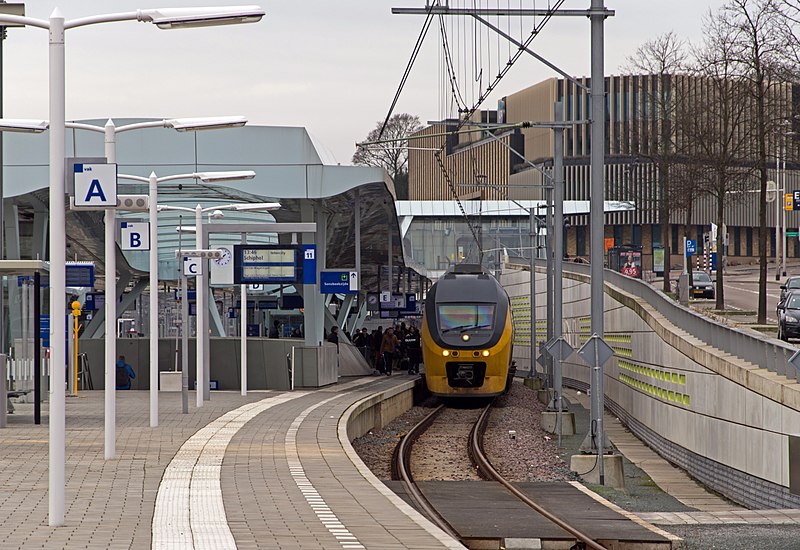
(751, 346)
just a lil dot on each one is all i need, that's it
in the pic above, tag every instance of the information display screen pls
(267, 263)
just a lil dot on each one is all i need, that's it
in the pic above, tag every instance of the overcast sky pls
(330, 65)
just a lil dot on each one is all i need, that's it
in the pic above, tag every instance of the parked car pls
(702, 285)
(792, 283)
(789, 292)
(789, 316)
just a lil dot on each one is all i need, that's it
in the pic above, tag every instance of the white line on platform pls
(189, 512)
(336, 528)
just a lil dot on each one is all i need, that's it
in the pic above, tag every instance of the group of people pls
(397, 348)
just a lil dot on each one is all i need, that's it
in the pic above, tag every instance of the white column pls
(110, 395)
(243, 328)
(153, 189)
(201, 310)
(58, 253)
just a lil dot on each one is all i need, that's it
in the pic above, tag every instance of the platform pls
(268, 470)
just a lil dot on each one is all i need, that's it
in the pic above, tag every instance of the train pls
(467, 335)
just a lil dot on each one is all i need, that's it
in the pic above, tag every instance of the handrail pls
(755, 348)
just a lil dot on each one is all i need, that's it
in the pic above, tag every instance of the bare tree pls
(721, 137)
(390, 152)
(661, 58)
(760, 51)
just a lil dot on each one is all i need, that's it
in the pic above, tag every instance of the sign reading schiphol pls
(135, 236)
(266, 264)
(338, 282)
(95, 185)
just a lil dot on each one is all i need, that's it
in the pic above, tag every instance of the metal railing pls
(753, 347)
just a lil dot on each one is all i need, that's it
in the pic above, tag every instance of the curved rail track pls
(401, 470)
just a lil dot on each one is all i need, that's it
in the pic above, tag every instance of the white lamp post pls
(165, 19)
(110, 132)
(153, 181)
(202, 285)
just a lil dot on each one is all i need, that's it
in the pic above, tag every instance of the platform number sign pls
(95, 185)
(135, 236)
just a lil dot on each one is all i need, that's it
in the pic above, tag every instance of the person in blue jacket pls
(124, 374)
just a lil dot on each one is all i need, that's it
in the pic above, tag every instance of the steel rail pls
(488, 471)
(401, 470)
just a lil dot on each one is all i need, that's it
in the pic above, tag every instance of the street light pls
(56, 25)
(153, 181)
(110, 132)
(202, 285)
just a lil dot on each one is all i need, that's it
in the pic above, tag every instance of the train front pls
(467, 336)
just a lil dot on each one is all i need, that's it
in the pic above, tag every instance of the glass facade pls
(439, 243)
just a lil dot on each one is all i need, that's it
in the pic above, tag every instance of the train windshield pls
(455, 317)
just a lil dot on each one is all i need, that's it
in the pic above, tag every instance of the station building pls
(493, 165)
(291, 168)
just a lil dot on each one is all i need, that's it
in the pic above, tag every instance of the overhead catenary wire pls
(417, 46)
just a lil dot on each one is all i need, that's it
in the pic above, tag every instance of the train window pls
(465, 316)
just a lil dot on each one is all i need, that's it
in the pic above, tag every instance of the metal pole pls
(58, 253)
(109, 393)
(596, 211)
(358, 235)
(777, 215)
(4, 323)
(243, 322)
(37, 351)
(391, 267)
(534, 242)
(3, 390)
(783, 210)
(184, 342)
(201, 305)
(550, 276)
(558, 238)
(153, 192)
(203, 288)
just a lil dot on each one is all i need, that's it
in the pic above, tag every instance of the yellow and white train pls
(467, 335)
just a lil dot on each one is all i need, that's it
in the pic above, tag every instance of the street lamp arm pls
(133, 178)
(107, 18)
(139, 125)
(82, 126)
(167, 207)
(21, 20)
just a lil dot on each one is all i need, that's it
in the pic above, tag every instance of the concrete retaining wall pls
(380, 409)
(267, 366)
(726, 421)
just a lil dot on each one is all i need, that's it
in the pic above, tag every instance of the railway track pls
(401, 471)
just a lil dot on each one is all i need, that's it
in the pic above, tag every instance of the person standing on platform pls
(275, 331)
(389, 346)
(413, 349)
(124, 374)
(333, 337)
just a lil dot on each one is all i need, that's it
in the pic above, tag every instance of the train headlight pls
(465, 337)
(486, 353)
(445, 353)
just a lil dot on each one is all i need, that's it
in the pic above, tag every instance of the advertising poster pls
(658, 260)
(631, 263)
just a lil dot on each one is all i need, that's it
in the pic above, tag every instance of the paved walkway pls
(262, 471)
(711, 508)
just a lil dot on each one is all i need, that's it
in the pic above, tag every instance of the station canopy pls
(290, 166)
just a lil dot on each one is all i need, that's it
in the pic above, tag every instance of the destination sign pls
(279, 256)
(266, 264)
